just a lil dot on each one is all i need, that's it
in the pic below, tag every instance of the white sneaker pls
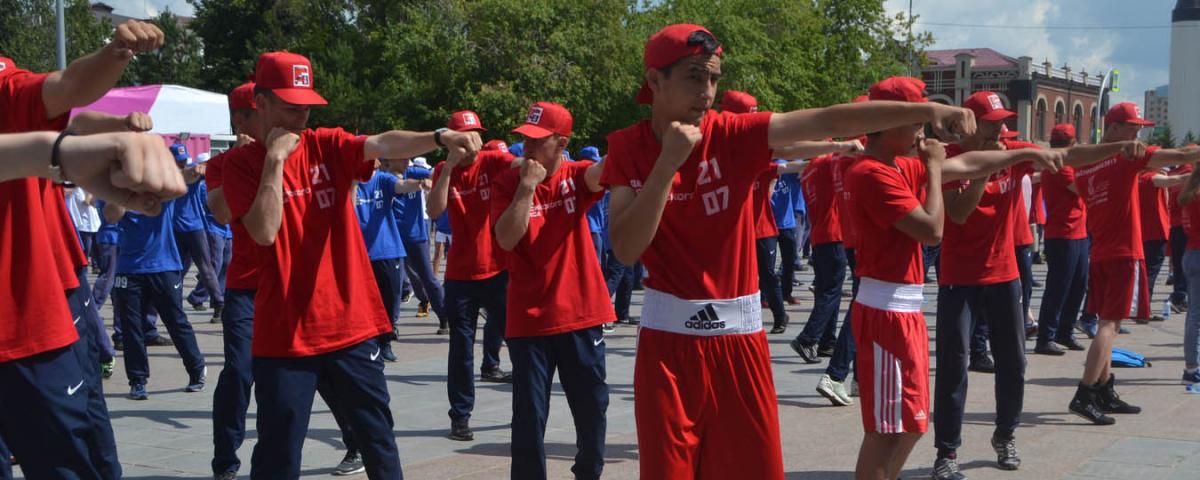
(834, 391)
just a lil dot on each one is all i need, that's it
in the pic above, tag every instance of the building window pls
(1041, 119)
(1078, 120)
(1060, 112)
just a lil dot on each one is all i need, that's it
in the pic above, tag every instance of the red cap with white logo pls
(544, 119)
(899, 89)
(667, 46)
(289, 76)
(242, 97)
(1126, 112)
(987, 106)
(465, 121)
(497, 145)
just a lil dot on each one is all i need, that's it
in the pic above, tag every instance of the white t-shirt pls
(85, 216)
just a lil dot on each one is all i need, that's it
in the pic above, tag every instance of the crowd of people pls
(308, 241)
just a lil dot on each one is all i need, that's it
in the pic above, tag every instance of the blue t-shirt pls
(373, 204)
(783, 200)
(147, 244)
(798, 197)
(410, 209)
(597, 217)
(189, 209)
(603, 206)
(211, 224)
(109, 233)
(443, 223)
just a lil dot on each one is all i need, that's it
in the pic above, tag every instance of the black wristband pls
(56, 170)
(437, 136)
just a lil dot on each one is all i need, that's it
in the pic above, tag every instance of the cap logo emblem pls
(994, 100)
(503, 147)
(1137, 111)
(535, 115)
(3, 66)
(469, 119)
(301, 76)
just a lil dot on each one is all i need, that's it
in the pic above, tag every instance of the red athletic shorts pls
(1117, 289)
(705, 407)
(892, 362)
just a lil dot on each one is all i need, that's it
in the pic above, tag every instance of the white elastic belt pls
(708, 318)
(890, 297)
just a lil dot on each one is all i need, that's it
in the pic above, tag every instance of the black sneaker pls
(1049, 348)
(825, 351)
(1006, 452)
(779, 327)
(946, 468)
(443, 331)
(1071, 344)
(1084, 405)
(118, 345)
(225, 476)
(806, 352)
(461, 430)
(1179, 307)
(982, 363)
(159, 341)
(386, 352)
(216, 317)
(196, 381)
(351, 464)
(495, 375)
(1108, 400)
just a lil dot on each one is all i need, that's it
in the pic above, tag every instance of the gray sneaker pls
(1006, 452)
(351, 464)
(835, 392)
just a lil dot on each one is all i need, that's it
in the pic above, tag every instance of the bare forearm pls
(437, 198)
(633, 228)
(1083, 155)
(84, 81)
(960, 205)
(1175, 156)
(845, 120)
(981, 163)
(218, 207)
(89, 122)
(399, 144)
(933, 204)
(1189, 188)
(25, 155)
(266, 213)
(810, 149)
(514, 222)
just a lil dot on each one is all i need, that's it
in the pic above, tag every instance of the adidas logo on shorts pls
(705, 319)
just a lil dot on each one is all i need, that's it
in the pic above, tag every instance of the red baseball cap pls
(738, 102)
(1005, 133)
(289, 76)
(496, 145)
(668, 46)
(900, 89)
(1126, 112)
(1063, 131)
(544, 119)
(987, 106)
(465, 121)
(7, 66)
(242, 97)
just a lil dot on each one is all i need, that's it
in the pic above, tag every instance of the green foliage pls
(1189, 139)
(178, 62)
(28, 32)
(1163, 137)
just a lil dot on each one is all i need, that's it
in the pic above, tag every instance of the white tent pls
(173, 108)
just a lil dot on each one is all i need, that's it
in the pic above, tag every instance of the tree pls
(179, 61)
(1163, 137)
(1189, 139)
(28, 32)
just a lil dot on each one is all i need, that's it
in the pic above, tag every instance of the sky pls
(1142, 55)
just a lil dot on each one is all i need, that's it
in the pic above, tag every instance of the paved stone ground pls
(169, 436)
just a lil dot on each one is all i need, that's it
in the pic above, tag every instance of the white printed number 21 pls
(709, 170)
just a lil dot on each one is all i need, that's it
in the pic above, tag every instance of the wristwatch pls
(437, 136)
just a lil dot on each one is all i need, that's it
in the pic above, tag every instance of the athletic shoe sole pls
(833, 398)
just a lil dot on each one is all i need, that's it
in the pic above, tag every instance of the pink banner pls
(123, 101)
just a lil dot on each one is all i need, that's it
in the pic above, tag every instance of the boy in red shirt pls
(317, 311)
(475, 275)
(1067, 247)
(1117, 286)
(557, 298)
(681, 186)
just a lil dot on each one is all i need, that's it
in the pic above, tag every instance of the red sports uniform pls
(469, 203)
(315, 295)
(1066, 214)
(764, 217)
(889, 329)
(842, 163)
(1117, 287)
(242, 273)
(1153, 203)
(702, 320)
(819, 187)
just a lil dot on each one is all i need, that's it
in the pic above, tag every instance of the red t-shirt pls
(704, 247)
(1066, 214)
(881, 195)
(555, 284)
(821, 198)
(316, 290)
(34, 316)
(842, 163)
(1190, 221)
(1174, 209)
(1110, 190)
(1037, 211)
(1153, 202)
(469, 201)
(980, 251)
(764, 216)
(242, 273)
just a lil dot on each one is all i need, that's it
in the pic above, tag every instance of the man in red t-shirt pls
(1117, 286)
(557, 298)
(681, 184)
(979, 278)
(47, 254)
(1067, 247)
(317, 311)
(1152, 188)
(475, 276)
